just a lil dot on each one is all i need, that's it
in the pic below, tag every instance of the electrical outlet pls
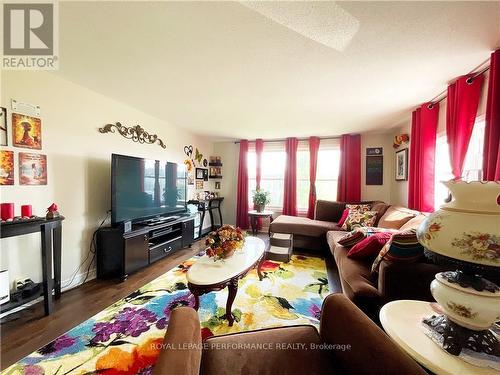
(21, 282)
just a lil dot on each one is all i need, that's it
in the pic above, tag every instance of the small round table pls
(255, 216)
(205, 275)
(402, 322)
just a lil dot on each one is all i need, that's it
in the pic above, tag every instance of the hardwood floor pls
(32, 330)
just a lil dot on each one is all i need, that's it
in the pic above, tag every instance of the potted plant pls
(260, 199)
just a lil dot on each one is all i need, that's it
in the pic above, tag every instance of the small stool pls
(281, 247)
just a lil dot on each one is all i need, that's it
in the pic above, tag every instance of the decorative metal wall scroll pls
(135, 133)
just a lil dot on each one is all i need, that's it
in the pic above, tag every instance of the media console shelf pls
(119, 253)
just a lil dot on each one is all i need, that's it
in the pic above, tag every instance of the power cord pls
(92, 250)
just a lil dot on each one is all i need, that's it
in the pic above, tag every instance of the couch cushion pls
(381, 208)
(269, 351)
(415, 222)
(355, 274)
(332, 237)
(396, 216)
(302, 226)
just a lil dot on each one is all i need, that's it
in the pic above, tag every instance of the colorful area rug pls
(123, 339)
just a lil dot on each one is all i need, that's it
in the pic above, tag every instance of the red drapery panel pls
(313, 164)
(259, 147)
(242, 193)
(491, 156)
(461, 110)
(422, 153)
(290, 193)
(349, 184)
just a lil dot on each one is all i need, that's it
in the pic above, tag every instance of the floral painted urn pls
(465, 234)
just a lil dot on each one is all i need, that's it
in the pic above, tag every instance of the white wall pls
(229, 152)
(78, 163)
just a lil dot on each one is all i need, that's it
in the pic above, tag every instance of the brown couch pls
(347, 343)
(369, 292)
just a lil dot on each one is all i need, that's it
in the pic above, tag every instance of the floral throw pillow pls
(358, 207)
(358, 219)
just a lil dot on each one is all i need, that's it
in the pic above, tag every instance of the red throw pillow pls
(370, 246)
(343, 217)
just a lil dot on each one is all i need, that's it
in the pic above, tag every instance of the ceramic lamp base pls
(480, 348)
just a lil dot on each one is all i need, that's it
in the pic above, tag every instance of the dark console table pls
(121, 253)
(51, 247)
(208, 205)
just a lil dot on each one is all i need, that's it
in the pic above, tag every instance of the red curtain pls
(461, 110)
(313, 163)
(491, 156)
(422, 152)
(259, 147)
(349, 184)
(242, 193)
(290, 194)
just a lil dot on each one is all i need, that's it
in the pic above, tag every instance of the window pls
(273, 172)
(473, 163)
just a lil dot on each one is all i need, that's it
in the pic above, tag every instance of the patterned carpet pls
(122, 339)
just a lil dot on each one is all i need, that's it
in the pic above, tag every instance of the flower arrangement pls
(224, 241)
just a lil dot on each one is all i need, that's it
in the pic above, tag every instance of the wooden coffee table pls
(206, 276)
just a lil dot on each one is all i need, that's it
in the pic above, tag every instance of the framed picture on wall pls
(402, 165)
(6, 167)
(26, 131)
(3, 126)
(32, 169)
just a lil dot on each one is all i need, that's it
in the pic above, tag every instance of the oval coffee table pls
(206, 276)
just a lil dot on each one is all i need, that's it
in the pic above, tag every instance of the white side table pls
(402, 322)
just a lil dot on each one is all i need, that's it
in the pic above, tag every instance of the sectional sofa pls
(368, 290)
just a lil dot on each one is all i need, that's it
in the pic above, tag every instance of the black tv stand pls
(119, 253)
(159, 220)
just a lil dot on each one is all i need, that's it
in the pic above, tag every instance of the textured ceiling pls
(272, 70)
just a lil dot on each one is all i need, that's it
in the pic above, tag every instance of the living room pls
(189, 187)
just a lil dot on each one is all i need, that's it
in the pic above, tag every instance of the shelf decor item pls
(223, 242)
(465, 234)
(26, 211)
(52, 211)
(260, 199)
(135, 133)
(7, 211)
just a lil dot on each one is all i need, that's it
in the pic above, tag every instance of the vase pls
(260, 207)
(465, 233)
(468, 227)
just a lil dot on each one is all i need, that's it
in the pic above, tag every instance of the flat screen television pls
(142, 189)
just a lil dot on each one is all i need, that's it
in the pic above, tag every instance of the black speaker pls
(109, 243)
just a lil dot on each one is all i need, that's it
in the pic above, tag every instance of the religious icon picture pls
(32, 169)
(6, 167)
(26, 131)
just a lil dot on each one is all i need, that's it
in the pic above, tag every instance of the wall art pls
(3, 126)
(402, 165)
(6, 167)
(32, 169)
(26, 131)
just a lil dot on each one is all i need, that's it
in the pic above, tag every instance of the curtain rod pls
(284, 139)
(443, 94)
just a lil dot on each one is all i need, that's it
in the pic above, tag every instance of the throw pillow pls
(402, 247)
(343, 217)
(351, 238)
(357, 219)
(358, 207)
(395, 217)
(370, 246)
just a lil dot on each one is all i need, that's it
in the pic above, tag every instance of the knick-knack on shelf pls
(52, 211)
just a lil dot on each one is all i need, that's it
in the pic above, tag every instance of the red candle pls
(26, 210)
(7, 211)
